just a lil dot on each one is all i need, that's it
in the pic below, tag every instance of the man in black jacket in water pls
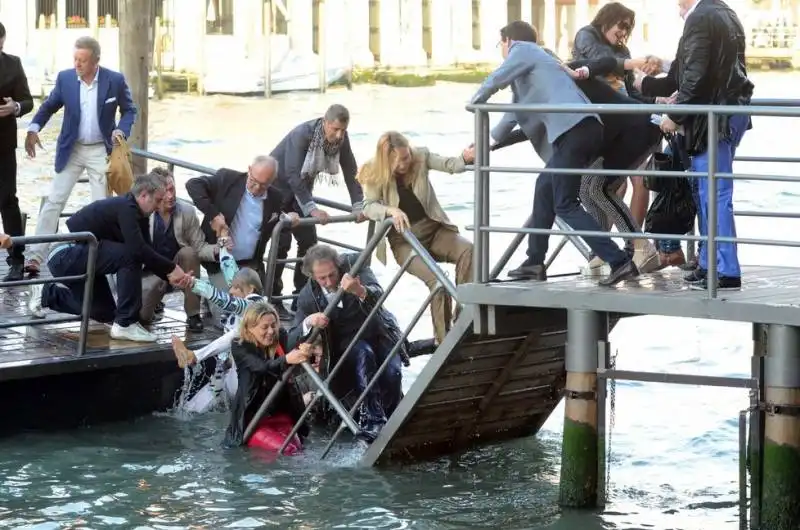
(327, 272)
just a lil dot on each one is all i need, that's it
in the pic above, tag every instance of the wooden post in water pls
(267, 24)
(321, 37)
(780, 509)
(134, 59)
(579, 449)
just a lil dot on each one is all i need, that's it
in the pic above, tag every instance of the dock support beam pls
(781, 465)
(580, 450)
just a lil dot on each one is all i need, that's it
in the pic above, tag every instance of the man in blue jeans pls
(709, 69)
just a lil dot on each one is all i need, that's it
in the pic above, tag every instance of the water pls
(674, 461)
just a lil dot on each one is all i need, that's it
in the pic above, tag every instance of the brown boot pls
(672, 259)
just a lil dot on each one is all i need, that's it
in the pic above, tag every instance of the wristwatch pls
(17, 108)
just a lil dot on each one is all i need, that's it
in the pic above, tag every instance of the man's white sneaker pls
(135, 332)
(35, 301)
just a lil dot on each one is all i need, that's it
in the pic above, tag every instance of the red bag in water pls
(272, 431)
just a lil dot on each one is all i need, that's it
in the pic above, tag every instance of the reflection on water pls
(674, 455)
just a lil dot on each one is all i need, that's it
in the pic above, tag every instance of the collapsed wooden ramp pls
(480, 388)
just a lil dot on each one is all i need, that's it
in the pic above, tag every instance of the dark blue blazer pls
(112, 94)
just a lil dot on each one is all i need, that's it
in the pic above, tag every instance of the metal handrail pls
(88, 288)
(780, 108)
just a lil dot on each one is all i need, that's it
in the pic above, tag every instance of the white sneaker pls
(135, 332)
(35, 301)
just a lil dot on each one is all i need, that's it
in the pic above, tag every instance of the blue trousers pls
(381, 401)
(727, 258)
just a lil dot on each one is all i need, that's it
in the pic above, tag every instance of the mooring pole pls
(579, 450)
(755, 453)
(780, 509)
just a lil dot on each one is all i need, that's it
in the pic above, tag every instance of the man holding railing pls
(327, 272)
(576, 140)
(709, 69)
(314, 150)
(242, 207)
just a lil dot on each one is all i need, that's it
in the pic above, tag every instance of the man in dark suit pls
(121, 226)
(241, 208)
(314, 149)
(90, 96)
(15, 101)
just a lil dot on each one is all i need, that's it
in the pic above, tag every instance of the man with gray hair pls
(240, 211)
(313, 151)
(90, 95)
(120, 225)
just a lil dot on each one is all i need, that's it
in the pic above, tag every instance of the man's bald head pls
(261, 174)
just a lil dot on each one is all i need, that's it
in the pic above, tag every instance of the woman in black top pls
(260, 358)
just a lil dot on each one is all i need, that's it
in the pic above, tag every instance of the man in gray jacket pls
(575, 141)
(314, 150)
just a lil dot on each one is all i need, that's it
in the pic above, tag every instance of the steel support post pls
(780, 509)
(579, 451)
(755, 453)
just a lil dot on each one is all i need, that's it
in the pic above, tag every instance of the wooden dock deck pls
(769, 295)
(53, 387)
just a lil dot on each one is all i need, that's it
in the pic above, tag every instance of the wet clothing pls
(368, 354)
(257, 374)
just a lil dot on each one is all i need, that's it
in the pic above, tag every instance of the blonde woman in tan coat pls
(396, 184)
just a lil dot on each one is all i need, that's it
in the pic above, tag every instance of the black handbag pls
(674, 210)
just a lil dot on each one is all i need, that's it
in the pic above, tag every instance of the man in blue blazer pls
(90, 96)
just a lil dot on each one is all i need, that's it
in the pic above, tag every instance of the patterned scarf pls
(322, 159)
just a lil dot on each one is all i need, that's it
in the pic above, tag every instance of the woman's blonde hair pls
(378, 171)
(250, 318)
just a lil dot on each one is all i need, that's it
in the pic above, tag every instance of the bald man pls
(242, 208)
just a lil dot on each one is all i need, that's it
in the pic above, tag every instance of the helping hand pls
(298, 355)
(293, 218)
(668, 126)
(469, 154)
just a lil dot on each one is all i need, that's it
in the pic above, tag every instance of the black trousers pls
(9, 204)
(306, 237)
(112, 258)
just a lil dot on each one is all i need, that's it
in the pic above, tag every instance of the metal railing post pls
(486, 198)
(272, 257)
(431, 263)
(478, 250)
(88, 289)
(370, 233)
(712, 221)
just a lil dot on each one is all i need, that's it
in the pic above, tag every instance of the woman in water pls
(261, 359)
(396, 183)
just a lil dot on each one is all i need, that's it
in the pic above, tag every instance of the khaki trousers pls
(445, 246)
(154, 288)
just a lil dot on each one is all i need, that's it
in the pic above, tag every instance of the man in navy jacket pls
(121, 226)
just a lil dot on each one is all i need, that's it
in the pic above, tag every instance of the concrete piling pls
(580, 449)
(780, 484)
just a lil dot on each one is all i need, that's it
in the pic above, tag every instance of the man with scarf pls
(314, 150)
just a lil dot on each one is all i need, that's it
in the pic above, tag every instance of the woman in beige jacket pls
(396, 184)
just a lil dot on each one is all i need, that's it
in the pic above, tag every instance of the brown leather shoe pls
(672, 259)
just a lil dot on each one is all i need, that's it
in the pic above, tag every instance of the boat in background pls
(291, 72)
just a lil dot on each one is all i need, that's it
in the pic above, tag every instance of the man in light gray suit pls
(176, 235)
(572, 140)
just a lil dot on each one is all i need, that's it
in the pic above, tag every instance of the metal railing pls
(443, 282)
(88, 288)
(482, 169)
